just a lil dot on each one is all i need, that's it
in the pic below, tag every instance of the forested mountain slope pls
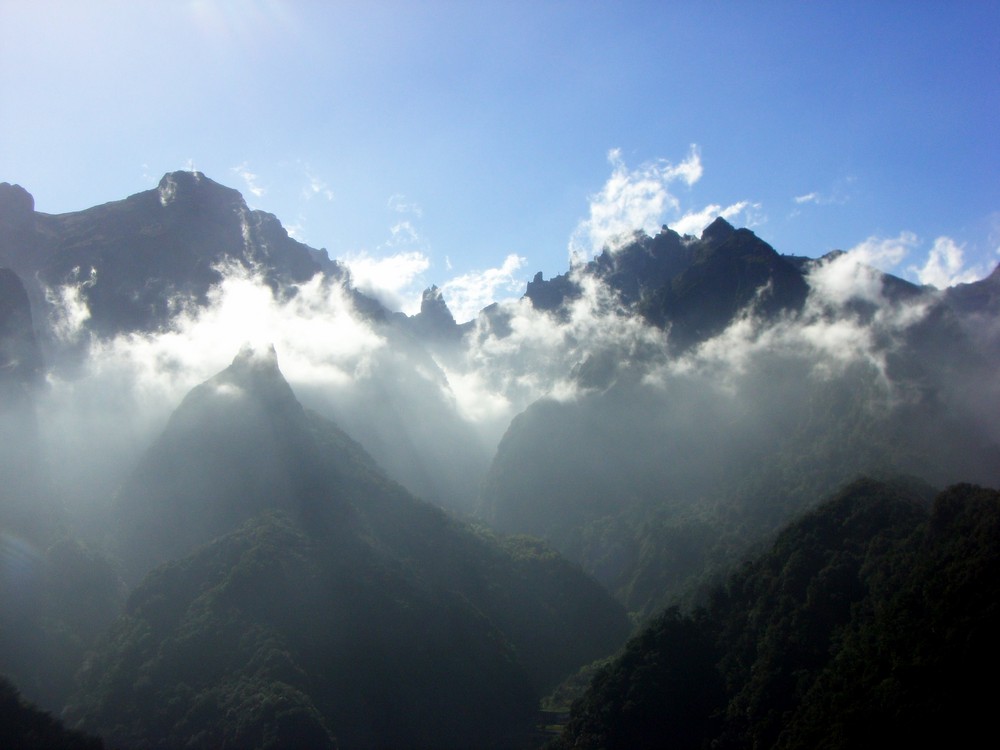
(869, 623)
(306, 596)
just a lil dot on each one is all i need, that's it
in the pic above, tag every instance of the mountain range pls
(413, 529)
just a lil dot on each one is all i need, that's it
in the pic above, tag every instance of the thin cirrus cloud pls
(400, 204)
(837, 194)
(315, 187)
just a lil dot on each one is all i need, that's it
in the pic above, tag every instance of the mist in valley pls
(609, 443)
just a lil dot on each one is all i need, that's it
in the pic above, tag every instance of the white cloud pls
(393, 279)
(316, 331)
(243, 171)
(534, 353)
(475, 400)
(296, 230)
(823, 340)
(69, 310)
(393, 272)
(96, 420)
(837, 194)
(631, 200)
(693, 222)
(469, 293)
(945, 266)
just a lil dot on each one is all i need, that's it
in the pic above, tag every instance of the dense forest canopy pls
(868, 623)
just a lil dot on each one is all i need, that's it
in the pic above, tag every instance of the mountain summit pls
(134, 259)
(237, 445)
(693, 287)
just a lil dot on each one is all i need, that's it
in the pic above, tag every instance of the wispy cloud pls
(399, 203)
(403, 233)
(393, 271)
(250, 179)
(316, 187)
(535, 353)
(70, 311)
(838, 194)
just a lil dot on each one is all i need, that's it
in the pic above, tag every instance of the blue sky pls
(470, 144)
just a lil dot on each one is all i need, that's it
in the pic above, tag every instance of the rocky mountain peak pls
(719, 230)
(15, 199)
(17, 206)
(251, 359)
(184, 187)
(435, 318)
(255, 372)
(147, 250)
(432, 304)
